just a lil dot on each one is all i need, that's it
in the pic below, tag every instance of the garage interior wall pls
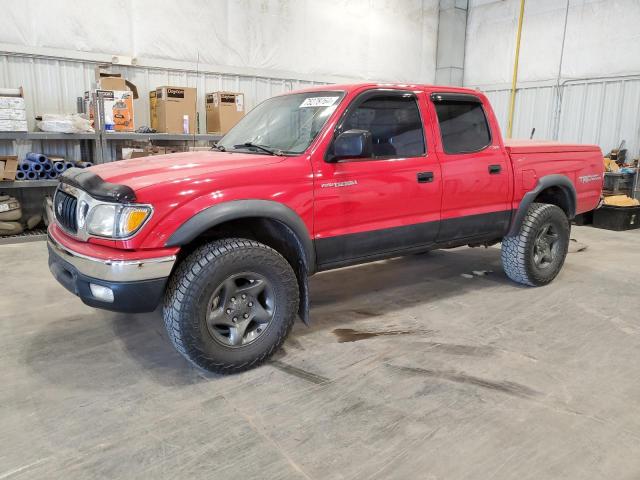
(587, 91)
(259, 47)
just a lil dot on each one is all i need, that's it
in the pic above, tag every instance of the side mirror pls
(352, 144)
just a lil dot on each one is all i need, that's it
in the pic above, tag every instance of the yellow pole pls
(514, 80)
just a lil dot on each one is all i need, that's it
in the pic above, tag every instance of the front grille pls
(64, 206)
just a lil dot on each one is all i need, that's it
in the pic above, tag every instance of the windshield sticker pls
(319, 102)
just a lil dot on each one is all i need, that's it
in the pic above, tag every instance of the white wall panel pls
(602, 40)
(385, 40)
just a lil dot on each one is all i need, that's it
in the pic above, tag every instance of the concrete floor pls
(409, 370)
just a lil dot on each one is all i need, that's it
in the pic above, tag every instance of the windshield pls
(284, 124)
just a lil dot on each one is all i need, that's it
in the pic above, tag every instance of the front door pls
(387, 202)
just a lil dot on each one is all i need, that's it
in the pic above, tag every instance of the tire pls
(525, 258)
(205, 306)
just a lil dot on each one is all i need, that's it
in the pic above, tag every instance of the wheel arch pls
(552, 189)
(268, 222)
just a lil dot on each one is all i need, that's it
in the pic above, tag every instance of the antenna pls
(533, 130)
(197, 119)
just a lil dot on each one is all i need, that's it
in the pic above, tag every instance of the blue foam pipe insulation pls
(35, 167)
(36, 157)
(42, 174)
(21, 175)
(68, 165)
(31, 175)
(84, 164)
(59, 166)
(48, 165)
(52, 174)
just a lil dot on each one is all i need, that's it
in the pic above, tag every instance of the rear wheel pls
(230, 305)
(535, 256)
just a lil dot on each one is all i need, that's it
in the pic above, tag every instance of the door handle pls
(494, 169)
(425, 177)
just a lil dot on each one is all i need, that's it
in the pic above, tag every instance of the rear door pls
(476, 169)
(388, 202)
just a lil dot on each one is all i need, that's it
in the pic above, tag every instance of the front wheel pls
(535, 256)
(230, 305)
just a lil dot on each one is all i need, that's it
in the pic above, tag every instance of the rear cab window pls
(464, 127)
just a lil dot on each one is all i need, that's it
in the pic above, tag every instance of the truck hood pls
(156, 170)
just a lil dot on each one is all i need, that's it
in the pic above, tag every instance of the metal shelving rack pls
(169, 137)
(100, 143)
(47, 136)
(28, 183)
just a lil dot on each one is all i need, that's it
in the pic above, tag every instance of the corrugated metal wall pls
(53, 85)
(600, 111)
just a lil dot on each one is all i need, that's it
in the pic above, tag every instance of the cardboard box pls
(8, 167)
(153, 110)
(172, 105)
(112, 83)
(13, 125)
(12, 114)
(155, 150)
(224, 110)
(118, 109)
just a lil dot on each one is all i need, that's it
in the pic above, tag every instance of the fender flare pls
(237, 209)
(555, 180)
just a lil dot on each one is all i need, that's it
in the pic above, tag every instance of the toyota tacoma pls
(309, 181)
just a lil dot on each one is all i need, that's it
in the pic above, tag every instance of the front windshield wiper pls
(259, 147)
(220, 148)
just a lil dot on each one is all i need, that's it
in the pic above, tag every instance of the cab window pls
(394, 123)
(463, 125)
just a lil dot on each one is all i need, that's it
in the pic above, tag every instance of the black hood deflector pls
(97, 187)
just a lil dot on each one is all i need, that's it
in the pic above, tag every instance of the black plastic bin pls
(617, 218)
(616, 182)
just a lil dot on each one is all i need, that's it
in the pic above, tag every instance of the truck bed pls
(582, 164)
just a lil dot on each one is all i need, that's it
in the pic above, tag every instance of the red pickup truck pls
(310, 181)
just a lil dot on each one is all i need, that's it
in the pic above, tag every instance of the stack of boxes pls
(118, 96)
(13, 115)
(173, 110)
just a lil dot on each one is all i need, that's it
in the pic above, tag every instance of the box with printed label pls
(118, 109)
(176, 109)
(224, 110)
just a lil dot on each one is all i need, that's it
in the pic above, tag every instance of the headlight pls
(116, 221)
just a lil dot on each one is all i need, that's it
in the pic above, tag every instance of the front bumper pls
(137, 285)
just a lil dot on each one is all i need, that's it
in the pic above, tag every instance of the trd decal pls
(590, 178)
(348, 183)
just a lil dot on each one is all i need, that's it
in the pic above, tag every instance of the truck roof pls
(349, 87)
